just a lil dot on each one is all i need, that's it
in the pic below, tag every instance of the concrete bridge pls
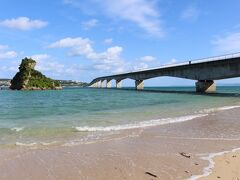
(204, 71)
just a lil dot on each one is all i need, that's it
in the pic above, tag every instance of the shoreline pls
(154, 123)
(130, 154)
(211, 171)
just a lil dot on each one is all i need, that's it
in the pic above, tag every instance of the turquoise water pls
(46, 116)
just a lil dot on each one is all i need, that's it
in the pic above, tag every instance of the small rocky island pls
(30, 79)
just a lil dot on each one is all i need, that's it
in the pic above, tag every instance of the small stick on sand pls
(185, 155)
(153, 175)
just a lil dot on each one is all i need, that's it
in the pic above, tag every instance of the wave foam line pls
(35, 144)
(209, 169)
(17, 129)
(219, 109)
(142, 124)
(25, 144)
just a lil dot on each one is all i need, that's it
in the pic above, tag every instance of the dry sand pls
(149, 153)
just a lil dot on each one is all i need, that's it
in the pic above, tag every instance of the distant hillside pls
(5, 82)
(71, 83)
(64, 83)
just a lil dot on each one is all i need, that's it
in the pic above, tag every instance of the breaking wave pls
(142, 124)
(154, 122)
(17, 129)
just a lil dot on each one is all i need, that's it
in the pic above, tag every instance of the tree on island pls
(30, 79)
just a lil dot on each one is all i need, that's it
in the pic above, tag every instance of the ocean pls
(29, 118)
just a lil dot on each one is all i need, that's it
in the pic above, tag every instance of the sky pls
(84, 39)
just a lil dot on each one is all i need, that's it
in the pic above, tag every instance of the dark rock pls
(29, 79)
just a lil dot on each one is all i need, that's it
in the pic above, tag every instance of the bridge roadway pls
(204, 71)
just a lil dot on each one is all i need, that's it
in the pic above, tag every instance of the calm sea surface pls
(28, 117)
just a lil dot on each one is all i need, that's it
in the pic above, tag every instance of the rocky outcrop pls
(30, 79)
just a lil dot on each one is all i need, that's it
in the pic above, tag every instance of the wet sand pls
(227, 166)
(171, 151)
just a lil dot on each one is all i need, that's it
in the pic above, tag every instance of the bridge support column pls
(94, 85)
(118, 83)
(139, 84)
(205, 86)
(99, 84)
(102, 84)
(109, 84)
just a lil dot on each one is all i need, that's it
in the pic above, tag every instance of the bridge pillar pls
(99, 84)
(109, 84)
(102, 84)
(94, 85)
(205, 86)
(118, 83)
(139, 84)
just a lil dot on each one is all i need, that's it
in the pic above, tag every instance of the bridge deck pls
(205, 71)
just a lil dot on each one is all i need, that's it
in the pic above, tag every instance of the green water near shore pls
(45, 116)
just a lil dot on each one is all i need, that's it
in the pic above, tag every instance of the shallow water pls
(49, 116)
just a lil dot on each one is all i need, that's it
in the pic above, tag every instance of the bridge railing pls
(215, 58)
(195, 61)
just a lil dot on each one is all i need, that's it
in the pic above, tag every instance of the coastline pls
(223, 165)
(227, 166)
(130, 154)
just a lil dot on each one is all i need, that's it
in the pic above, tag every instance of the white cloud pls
(229, 43)
(144, 63)
(23, 23)
(79, 46)
(5, 53)
(143, 13)
(191, 13)
(3, 47)
(8, 68)
(40, 56)
(172, 61)
(140, 66)
(110, 59)
(108, 41)
(45, 64)
(90, 24)
(50, 66)
(147, 58)
(70, 42)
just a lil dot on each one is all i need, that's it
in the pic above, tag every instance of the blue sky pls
(84, 39)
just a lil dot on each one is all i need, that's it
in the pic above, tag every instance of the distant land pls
(5, 83)
(71, 83)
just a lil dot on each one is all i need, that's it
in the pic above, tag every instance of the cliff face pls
(29, 79)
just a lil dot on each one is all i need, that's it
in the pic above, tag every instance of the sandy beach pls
(226, 166)
(171, 151)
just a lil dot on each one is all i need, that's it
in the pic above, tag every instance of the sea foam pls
(208, 170)
(17, 129)
(141, 124)
(35, 144)
(154, 122)
(219, 109)
(25, 144)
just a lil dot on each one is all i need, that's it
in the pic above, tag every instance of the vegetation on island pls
(71, 83)
(30, 79)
